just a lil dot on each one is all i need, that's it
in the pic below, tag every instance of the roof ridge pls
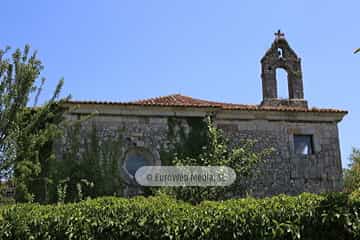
(153, 98)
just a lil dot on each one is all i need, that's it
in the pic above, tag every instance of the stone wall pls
(283, 172)
(287, 172)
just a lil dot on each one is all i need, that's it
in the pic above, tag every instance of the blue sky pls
(123, 50)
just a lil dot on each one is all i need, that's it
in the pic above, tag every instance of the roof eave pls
(250, 112)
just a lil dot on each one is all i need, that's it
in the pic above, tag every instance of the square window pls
(303, 144)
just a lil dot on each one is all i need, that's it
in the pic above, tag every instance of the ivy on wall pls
(184, 143)
(92, 157)
(90, 164)
(205, 145)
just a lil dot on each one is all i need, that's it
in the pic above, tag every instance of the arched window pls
(282, 83)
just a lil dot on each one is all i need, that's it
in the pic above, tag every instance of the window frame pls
(154, 160)
(147, 155)
(311, 145)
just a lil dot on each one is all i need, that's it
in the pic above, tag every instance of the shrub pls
(243, 158)
(307, 216)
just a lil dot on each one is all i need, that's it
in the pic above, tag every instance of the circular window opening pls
(137, 158)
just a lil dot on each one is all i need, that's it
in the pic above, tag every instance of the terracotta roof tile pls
(177, 100)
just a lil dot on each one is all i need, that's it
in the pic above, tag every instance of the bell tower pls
(280, 55)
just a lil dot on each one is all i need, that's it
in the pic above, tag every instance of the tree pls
(352, 175)
(25, 131)
(243, 159)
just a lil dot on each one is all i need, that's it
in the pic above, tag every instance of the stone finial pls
(279, 34)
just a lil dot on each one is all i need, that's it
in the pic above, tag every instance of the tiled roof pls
(178, 100)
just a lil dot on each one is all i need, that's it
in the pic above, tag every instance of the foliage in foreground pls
(352, 175)
(307, 216)
(26, 133)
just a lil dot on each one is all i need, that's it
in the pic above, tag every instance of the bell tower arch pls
(280, 55)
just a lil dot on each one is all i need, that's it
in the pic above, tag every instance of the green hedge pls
(307, 216)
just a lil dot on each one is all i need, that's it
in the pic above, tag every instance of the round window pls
(137, 158)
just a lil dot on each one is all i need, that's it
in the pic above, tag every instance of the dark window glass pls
(303, 144)
(136, 160)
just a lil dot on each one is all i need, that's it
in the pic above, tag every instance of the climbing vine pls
(89, 164)
(206, 145)
(187, 137)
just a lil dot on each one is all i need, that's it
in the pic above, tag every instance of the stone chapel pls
(306, 140)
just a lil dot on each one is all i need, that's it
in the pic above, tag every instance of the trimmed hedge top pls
(307, 216)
